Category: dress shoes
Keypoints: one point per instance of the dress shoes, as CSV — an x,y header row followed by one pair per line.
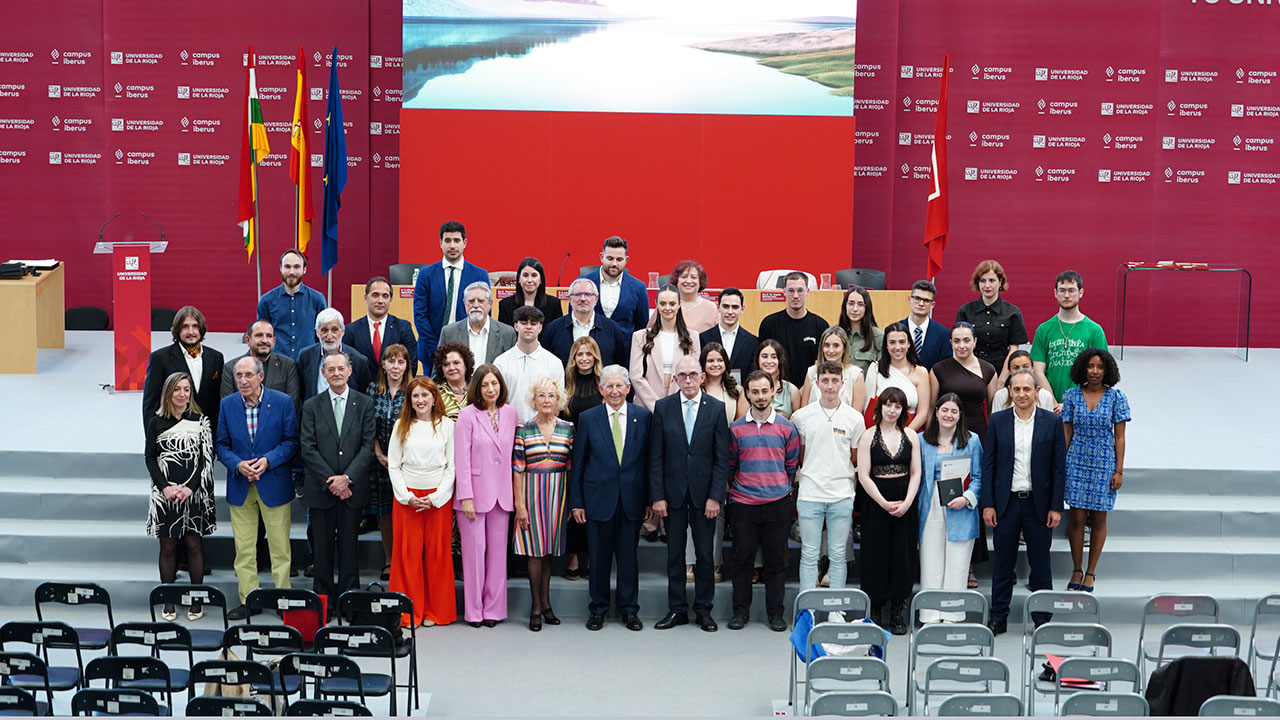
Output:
x,y
737,622
595,622
474,623
490,623
632,621
549,617
998,627
705,622
777,623
241,613
671,620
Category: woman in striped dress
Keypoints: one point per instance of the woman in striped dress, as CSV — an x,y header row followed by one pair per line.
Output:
x,y
540,460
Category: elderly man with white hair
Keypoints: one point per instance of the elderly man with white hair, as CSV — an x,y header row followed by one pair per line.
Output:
x,y
583,320
330,328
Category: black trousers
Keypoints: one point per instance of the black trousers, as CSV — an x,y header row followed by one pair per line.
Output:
x,y
693,517
607,540
889,552
334,537
1019,515
765,527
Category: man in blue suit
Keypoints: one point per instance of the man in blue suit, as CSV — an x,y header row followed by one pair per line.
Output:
x,y
1024,471
381,325
583,319
688,478
932,339
608,485
623,297
257,438
437,298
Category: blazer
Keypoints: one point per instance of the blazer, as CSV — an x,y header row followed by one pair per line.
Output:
x,y
168,360
937,342
276,439
615,348
362,372
550,307
598,483
395,330
744,348
324,453
502,337
280,372
482,458
646,379
428,302
632,312
680,468
961,524
1048,462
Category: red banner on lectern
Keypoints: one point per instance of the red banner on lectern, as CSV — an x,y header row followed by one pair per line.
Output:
x,y
131,282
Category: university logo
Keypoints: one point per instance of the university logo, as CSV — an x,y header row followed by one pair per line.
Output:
x,y
184,158
1237,111
317,160
184,92
1108,108
117,124
904,138
971,173
55,91
1037,141
130,262
1104,176
117,58
375,61
317,93
907,72
1168,143
375,128
55,158
1233,177
1042,73
973,106
1171,76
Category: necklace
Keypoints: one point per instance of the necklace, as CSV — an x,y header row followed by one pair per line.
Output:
x,y
831,414
1065,335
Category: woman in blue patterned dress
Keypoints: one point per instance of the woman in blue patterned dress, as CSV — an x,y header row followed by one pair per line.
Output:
x,y
387,392
1094,415
540,460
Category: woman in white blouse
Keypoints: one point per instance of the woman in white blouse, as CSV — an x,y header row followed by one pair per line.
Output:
x,y
420,465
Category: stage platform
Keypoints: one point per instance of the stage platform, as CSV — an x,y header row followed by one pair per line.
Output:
x,y
1199,512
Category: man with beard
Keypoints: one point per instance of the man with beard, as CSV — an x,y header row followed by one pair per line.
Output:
x,y
281,373
623,297
292,307
1060,339
330,330
437,296
187,354
485,337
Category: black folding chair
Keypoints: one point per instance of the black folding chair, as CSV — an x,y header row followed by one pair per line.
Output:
x,y
18,702
386,609
327,708
354,641
317,669
20,670
43,636
273,641
157,638
214,706
281,600
206,597
130,672
114,701
78,594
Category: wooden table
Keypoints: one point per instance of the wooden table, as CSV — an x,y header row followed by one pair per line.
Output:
x,y
31,316
890,305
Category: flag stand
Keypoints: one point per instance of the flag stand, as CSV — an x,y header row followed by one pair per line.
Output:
x,y
256,229
329,298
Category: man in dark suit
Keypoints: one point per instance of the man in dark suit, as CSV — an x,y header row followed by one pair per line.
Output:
x,y
740,344
623,297
1024,468
280,372
187,354
257,438
688,474
558,337
479,331
931,338
380,325
607,489
331,331
437,297
337,451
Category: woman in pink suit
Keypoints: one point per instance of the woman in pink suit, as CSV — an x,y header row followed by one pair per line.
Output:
x,y
483,441
656,349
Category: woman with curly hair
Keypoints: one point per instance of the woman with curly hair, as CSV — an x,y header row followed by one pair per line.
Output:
x,y
454,364
699,313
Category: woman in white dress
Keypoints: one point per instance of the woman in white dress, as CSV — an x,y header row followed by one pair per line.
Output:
x,y
834,346
899,367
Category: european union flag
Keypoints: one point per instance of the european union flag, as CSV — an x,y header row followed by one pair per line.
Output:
x,y
335,169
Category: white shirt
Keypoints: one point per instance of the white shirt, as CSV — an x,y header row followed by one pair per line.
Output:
x,y
581,330
520,370
1023,430
1002,401
727,339
684,406
380,324
457,287
773,418
478,342
923,327
609,295
667,342
195,365
827,474
423,462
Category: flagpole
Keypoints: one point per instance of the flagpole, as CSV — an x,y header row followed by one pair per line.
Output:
x,y
329,297
296,192
256,228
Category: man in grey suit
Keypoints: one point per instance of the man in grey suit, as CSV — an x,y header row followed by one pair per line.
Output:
x,y
337,451
486,337
281,371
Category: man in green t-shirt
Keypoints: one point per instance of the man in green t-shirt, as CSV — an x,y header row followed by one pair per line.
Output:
x,y
1060,339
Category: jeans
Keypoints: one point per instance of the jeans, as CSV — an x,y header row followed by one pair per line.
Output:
x,y
839,520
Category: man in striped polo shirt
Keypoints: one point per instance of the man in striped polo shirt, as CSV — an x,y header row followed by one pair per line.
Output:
x,y
764,453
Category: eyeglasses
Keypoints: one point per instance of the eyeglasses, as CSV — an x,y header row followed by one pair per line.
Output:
x,y
922,300
582,294
1068,291
687,376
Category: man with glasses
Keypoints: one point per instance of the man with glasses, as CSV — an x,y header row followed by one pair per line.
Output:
x,y
1060,339
796,329
931,338
583,320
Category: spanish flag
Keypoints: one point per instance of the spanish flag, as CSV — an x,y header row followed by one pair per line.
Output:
x,y
253,147
300,160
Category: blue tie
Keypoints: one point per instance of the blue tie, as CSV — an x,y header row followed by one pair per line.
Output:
x,y
688,420
919,341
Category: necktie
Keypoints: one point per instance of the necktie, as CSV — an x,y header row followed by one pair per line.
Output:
x,y
688,420
919,341
338,411
377,341
448,298
617,435
194,351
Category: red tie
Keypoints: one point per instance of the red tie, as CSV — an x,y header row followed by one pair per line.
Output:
x,y
377,342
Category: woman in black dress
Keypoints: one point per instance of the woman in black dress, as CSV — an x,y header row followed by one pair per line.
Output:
x,y
997,323
889,473
179,457
582,385
531,289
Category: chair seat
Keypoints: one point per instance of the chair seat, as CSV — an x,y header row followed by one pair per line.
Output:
x,y
951,687
823,685
1264,647
937,651
290,683
94,638
206,640
178,680
374,684
60,678
1151,648
41,707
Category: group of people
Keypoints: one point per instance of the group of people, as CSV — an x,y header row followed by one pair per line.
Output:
x,y
542,434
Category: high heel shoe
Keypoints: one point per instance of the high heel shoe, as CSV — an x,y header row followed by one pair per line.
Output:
x,y
1076,585
535,621
169,613
1087,588
550,617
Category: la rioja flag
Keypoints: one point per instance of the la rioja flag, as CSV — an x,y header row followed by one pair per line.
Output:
x,y
935,221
